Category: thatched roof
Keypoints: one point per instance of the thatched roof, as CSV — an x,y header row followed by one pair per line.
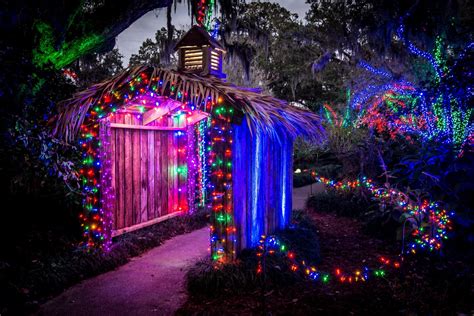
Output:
x,y
261,111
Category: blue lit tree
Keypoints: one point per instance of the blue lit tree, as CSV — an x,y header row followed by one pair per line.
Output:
x,y
438,107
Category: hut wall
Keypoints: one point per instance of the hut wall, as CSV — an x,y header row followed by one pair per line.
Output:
x,y
262,181
145,179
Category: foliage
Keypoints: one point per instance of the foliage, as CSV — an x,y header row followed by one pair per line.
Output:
x,y
158,53
45,53
302,179
34,161
250,35
436,107
342,204
365,29
30,156
148,53
303,151
94,68
347,152
275,51
434,170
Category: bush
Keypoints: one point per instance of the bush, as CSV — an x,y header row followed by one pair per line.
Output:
x,y
210,279
302,179
343,204
383,223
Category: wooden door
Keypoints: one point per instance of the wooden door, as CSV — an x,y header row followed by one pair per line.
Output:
x,y
145,178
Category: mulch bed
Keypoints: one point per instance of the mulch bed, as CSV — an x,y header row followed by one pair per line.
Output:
x,y
423,285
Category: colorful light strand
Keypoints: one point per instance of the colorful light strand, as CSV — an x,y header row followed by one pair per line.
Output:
x,y
424,237
203,150
442,113
376,71
204,13
270,245
430,213
202,174
192,162
220,185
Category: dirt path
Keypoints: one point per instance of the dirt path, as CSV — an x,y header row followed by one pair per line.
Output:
x,y
152,284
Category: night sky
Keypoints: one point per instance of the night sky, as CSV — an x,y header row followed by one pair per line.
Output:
x,y
129,41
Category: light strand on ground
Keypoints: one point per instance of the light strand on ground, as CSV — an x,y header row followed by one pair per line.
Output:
x,y
437,219
270,245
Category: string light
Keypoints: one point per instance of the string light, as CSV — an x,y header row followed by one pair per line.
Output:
x,y
375,71
416,51
270,245
223,240
424,237
441,113
205,147
436,218
215,29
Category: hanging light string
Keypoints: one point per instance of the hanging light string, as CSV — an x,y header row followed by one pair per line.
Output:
x,y
204,13
201,12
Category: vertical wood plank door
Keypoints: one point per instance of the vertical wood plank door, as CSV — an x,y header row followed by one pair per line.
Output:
x,y
144,178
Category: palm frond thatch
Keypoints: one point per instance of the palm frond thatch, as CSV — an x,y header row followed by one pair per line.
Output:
x,y
261,111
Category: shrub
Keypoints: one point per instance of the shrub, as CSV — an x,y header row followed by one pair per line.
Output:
x,y
380,222
302,179
344,204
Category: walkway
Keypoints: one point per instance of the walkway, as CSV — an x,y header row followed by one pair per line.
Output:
x,y
300,195
152,284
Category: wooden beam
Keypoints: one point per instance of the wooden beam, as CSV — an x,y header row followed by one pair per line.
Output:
x,y
150,128
160,111
150,103
121,231
196,117
128,111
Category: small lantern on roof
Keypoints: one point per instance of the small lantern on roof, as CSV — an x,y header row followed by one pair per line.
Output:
x,y
198,52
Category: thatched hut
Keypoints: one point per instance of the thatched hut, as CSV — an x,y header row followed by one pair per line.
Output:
x,y
157,143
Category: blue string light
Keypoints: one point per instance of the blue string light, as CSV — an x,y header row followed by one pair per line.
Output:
x,y
376,71
415,50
